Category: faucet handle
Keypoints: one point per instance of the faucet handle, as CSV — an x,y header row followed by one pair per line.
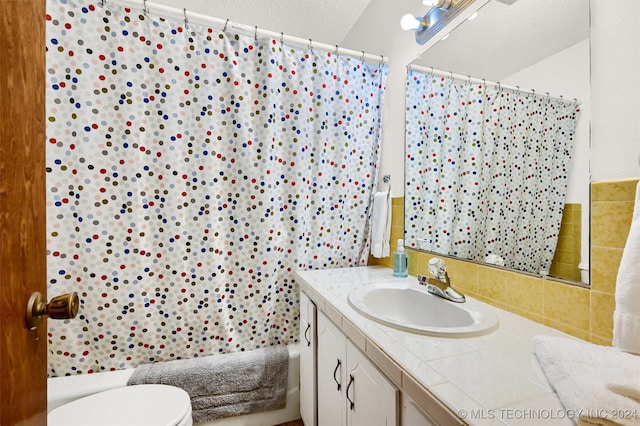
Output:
x,y
437,268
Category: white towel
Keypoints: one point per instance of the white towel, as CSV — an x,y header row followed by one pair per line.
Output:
x,y
626,317
596,384
381,224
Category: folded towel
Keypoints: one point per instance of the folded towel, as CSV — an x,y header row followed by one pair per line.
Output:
x,y
626,317
381,224
225,385
596,384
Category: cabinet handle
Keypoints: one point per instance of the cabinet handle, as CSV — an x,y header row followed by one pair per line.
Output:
x,y
351,380
305,335
334,375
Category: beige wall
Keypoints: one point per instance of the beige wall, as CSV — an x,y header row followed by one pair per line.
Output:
x,y
586,313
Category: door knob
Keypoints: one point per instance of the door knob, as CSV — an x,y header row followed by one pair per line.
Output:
x,y
60,307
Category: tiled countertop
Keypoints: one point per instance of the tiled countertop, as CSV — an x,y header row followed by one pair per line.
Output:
x,y
493,379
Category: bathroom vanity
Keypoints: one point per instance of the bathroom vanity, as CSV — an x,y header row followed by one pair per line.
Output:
x,y
358,371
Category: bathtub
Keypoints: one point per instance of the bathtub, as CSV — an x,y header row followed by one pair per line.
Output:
x,y
62,390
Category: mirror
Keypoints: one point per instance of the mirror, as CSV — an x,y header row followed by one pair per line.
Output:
x,y
541,46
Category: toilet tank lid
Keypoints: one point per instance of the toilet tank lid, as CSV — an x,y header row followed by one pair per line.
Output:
x,y
64,389
157,405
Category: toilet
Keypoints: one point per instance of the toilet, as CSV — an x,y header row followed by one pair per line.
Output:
x,y
140,405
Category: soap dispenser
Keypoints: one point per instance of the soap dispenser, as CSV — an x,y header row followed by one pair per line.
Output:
x,y
400,261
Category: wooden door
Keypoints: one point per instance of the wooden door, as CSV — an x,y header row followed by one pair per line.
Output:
x,y
23,353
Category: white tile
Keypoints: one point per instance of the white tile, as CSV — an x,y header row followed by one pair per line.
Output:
x,y
486,380
491,340
464,407
428,348
521,359
378,333
420,371
522,328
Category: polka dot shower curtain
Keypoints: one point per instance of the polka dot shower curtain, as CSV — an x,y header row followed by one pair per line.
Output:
x,y
190,172
487,170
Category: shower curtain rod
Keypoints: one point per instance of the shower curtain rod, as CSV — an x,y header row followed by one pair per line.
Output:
x,y
188,16
470,79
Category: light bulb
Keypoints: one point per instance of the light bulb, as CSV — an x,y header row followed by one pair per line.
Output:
x,y
410,22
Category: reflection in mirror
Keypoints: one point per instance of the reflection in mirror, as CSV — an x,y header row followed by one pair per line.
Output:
x,y
521,45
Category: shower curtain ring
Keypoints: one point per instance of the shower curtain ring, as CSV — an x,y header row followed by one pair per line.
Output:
x,y
336,50
186,21
255,35
144,7
281,38
225,25
310,47
381,60
362,57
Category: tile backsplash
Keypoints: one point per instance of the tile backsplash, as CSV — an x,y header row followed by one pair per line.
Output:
x,y
566,262
586,313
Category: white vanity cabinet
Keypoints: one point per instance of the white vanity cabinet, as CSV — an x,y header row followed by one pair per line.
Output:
x,y
308,398
351,390
411,415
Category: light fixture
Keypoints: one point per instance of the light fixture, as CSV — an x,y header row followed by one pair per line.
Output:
x,y
440,14
473,16
442,4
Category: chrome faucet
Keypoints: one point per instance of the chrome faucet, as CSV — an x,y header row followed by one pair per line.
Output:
x,y
441,284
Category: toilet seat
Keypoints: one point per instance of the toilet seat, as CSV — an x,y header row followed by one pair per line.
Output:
x,y
140,405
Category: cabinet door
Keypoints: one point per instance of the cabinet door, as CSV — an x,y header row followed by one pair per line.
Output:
x,y
371,399
307,361
331,373
411,415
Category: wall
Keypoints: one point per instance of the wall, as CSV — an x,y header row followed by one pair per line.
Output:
x,y
615,85
586,313
612,204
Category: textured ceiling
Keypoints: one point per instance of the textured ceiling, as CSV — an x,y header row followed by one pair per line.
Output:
x,y
325,21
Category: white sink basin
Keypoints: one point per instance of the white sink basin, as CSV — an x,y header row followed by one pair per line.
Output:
x,y
409,307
